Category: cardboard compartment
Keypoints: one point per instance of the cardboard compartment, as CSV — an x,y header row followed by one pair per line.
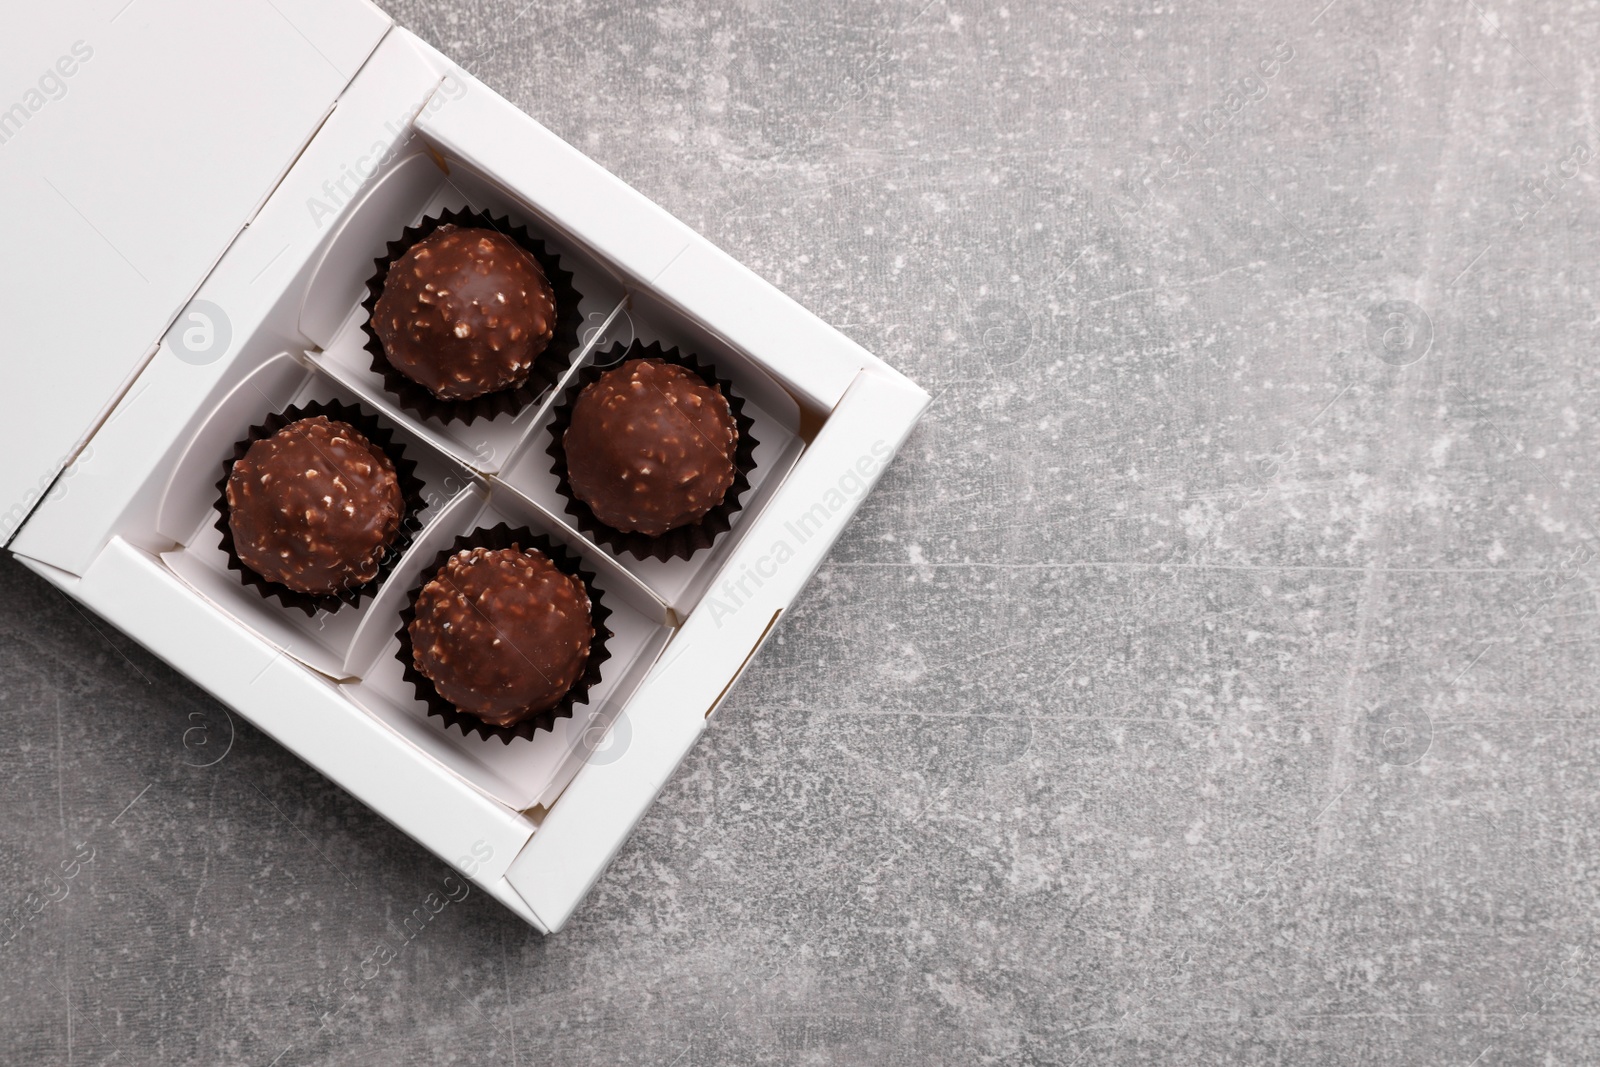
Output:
x,y
413,187
188,511
524,773
530,471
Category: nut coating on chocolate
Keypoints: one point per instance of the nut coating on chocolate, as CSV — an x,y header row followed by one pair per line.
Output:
x,y
651,447
314,506
502,633
465,312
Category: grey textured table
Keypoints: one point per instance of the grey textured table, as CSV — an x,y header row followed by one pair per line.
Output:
x,y
1211,680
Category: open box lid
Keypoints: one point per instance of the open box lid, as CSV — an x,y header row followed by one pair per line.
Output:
x,y
137,139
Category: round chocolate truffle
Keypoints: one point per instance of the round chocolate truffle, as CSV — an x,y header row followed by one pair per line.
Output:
x,y
502,633
465,312
650,447
314,507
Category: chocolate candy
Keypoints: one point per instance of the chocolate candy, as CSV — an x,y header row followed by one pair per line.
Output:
x,y
465,312
502,633
314,506
650,447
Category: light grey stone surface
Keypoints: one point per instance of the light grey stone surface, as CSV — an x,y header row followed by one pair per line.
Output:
x,y
1211,680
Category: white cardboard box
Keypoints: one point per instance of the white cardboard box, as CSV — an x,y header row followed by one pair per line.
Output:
x,y
199,191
